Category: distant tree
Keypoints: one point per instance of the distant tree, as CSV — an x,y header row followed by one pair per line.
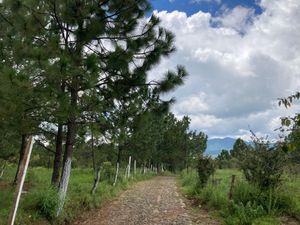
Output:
x,y
239,149
224,155
196,145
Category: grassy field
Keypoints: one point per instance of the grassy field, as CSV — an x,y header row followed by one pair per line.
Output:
x,y
38,203
248,205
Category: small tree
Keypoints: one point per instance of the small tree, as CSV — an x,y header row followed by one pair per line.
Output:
x,y
206,168
264,164
239,149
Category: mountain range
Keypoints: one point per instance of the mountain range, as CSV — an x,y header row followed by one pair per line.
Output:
x,y
215,145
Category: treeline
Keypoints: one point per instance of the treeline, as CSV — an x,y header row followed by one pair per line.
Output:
x,y
74,74
286,150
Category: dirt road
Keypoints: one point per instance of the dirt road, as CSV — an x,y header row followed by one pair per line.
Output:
x,y
152,202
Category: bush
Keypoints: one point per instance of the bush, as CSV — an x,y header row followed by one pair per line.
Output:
x,y
244,214
205,168
263,166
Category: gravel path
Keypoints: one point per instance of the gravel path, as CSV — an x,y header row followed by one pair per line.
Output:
x,y
151,202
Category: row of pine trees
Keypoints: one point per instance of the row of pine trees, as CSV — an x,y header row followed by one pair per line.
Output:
x,y
75,75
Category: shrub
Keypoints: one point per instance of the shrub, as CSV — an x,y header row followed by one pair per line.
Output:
x,y
263,166
205,169
244,214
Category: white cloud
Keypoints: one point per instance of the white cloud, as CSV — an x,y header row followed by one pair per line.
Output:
x,y
193,104
238,68
238,18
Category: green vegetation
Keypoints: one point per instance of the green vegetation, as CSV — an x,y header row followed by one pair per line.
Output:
x,y
261,188
249,205
75,77
39,202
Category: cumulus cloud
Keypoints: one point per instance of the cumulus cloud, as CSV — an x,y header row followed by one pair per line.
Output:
x,y
239,65
238,18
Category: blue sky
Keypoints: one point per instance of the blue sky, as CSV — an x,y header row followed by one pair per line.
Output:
x,y
193,6
241,57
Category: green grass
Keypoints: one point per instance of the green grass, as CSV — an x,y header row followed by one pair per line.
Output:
x,y
248,205
38,204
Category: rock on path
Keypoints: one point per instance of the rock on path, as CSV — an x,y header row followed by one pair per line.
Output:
x,y
151,202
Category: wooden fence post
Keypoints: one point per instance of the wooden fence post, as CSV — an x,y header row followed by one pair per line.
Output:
x,y
231,187
20,180
134,167
129,166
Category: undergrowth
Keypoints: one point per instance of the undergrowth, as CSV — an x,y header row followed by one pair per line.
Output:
x,y
248,205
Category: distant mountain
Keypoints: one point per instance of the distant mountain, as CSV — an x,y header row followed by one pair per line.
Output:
x,y
215,145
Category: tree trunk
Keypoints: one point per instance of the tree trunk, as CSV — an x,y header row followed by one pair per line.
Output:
x,y
21,156
117,166
93,152
67,161
117,174
97,179
57,156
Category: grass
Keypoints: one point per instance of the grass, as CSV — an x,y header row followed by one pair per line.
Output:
x,y
38,203
249,206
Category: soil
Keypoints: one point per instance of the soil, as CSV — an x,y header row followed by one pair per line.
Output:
x,y
152,202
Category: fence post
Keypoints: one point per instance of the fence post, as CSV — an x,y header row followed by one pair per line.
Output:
x,y
231,187
20,180
129,166
134,167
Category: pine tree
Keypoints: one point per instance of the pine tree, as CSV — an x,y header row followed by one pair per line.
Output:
x,y
81,55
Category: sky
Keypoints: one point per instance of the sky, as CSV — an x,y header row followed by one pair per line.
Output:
x,y
241,57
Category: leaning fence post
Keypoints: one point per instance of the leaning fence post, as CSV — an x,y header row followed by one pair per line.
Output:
x,y
20,180
231,187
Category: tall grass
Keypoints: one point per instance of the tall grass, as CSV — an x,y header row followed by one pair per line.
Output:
x,y
248,205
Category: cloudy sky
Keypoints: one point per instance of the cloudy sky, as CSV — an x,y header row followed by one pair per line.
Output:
x,y
241,57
